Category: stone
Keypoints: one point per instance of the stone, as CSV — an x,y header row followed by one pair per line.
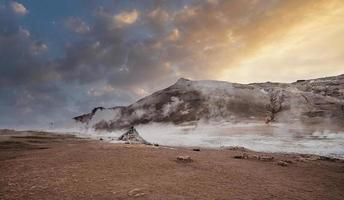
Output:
x,y
282,163
137,192
301,159
306,158
330,159
196,149
255,157
238,157
266,158
243,156
288,161
234,148
185,159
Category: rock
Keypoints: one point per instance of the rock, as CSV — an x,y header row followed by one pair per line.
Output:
x,y
288,161
185,159
243,156
238,157
282,163
266,158
155,144
306,158
137,192
196,149
328,159
133,137
255,157
101,139
236,148
301,159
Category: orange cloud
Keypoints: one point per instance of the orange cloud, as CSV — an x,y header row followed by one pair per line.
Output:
x,y
219,37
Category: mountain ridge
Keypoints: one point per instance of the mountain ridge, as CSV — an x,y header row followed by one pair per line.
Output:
x,y
313,101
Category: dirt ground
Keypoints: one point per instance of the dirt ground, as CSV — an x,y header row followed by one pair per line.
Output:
x,y
36,165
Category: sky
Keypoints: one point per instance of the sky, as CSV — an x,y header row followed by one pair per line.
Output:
x,y
60,59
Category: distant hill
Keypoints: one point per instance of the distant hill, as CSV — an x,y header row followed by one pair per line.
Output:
x,y
312,102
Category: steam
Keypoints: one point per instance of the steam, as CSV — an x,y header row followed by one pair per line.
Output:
x,y
282,138
171,107
291,136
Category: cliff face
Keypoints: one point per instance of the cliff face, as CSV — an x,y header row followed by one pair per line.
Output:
x,y
315,101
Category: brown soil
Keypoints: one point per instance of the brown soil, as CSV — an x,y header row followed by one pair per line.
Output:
x,y
49,166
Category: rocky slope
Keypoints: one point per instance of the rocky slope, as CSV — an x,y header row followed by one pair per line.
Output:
x,y
315,102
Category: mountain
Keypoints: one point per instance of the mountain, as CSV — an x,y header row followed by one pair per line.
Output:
x,y
310,102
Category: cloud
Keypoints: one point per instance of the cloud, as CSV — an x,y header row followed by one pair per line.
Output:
x,y
307,51
174,35
77,25
202,40
29,92
119,55
126,18
18,8
159,14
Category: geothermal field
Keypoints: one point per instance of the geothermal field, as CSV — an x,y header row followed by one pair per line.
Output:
x,y
193,140
172,100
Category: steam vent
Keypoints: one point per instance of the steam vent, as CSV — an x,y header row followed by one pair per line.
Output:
x,y
133,137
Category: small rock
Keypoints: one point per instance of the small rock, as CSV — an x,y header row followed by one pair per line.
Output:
x,y
196,149
301,159
184,159
265,158
288,161
238,157
306,158
255,157
243,156
282,163
137,192
100,139
328,159
156,144
236,148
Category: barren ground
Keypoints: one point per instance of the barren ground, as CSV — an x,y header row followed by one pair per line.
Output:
x,y
35,165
